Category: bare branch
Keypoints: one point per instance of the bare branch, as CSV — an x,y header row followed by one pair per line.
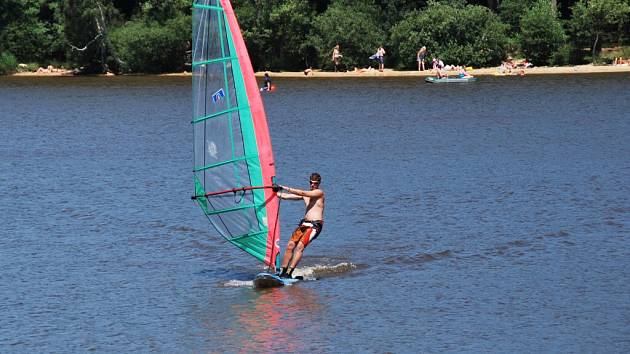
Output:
x,y
87,45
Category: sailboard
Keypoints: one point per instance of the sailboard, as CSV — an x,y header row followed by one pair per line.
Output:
x,y
233,158
270,280
445,80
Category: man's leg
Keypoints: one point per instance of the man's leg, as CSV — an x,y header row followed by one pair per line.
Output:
x,y
297,256
299,249
288,254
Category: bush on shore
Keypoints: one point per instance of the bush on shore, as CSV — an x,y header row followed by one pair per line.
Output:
x,y
541,34
352,25
457,34
8,63
151,47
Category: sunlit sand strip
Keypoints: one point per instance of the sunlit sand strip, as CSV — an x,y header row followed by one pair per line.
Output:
x,y
543,70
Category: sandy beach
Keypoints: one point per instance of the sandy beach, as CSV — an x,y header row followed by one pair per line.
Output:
x,y
543,70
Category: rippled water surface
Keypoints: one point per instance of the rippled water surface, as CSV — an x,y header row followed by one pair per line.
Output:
x,y
484,217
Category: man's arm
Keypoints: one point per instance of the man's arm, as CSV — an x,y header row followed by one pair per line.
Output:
x,y
289,196
302,193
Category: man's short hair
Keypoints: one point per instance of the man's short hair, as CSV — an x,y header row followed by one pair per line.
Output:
x,y
316,177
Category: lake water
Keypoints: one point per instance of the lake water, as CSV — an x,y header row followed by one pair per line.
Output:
x,y
484,217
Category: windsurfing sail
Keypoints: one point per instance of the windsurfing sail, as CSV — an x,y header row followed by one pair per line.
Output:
x,y
233,160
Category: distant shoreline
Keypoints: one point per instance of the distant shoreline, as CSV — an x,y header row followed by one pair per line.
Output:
x,y
544,70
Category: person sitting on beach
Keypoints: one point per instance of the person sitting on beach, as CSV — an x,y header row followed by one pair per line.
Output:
x,y
441,73
362,70
463,74
505,68
509,62
437,63
522,64
438,66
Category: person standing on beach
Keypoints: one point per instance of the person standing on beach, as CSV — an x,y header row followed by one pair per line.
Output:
x,y
422,53
380,57
310,226
336,57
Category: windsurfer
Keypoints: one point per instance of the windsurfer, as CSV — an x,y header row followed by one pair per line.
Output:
x,y
310,226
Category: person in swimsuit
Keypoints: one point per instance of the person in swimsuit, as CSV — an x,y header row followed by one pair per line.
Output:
x,y
310,226
380,57
422,53
336,57
267,86
463,74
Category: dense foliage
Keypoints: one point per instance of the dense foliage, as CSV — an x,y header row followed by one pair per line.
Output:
x,y
596,22
468,35
541,33
154,35
32,30
277,32
8,63
152,47
354,26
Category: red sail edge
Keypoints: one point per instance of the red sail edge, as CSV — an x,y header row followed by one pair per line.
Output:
x,y
263,140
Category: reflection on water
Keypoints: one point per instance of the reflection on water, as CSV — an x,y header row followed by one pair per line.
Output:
x,y
273,319
478,218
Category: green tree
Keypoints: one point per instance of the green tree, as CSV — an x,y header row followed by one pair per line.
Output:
x,y
253,17
31,30
355,26
596,21
151,46
8,63
395,10
511,11
86,27
458,34
276,32
164,10
541,33
291,22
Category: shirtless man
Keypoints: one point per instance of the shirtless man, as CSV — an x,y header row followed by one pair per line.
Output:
x,y
309,227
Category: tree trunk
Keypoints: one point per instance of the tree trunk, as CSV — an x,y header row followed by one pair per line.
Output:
x,y
595,47
104,47
106,44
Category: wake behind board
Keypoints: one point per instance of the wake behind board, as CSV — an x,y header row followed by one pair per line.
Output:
x,y
269,280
